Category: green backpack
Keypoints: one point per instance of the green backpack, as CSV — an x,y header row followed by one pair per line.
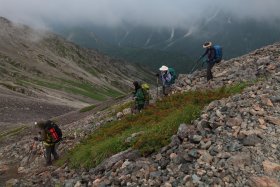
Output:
x,y
145,87
173,75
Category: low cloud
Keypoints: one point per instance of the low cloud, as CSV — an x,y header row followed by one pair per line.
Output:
x,y
163,13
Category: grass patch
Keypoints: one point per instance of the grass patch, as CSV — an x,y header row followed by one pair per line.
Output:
x,y
120,108
88,108
12,132
158,123
9,86
77,88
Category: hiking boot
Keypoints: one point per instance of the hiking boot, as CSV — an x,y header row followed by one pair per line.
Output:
x,y
209,84
47,164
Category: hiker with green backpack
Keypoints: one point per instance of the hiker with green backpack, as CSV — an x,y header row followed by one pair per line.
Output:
x,y
145,88
50,135
138,96
214,55
168,77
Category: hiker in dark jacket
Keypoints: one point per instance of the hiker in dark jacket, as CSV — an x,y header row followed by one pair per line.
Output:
x,y
138,96
167,79
211,60
50,146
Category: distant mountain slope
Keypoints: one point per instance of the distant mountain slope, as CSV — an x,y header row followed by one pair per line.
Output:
x,y
44,66
237,37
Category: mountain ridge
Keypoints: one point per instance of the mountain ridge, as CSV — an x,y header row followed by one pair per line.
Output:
x,y
42,66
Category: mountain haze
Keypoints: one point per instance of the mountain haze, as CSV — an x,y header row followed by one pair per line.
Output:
x,y
175,46
42,67
225,133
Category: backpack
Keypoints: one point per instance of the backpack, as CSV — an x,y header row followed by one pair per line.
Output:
x,y
54,131
218,53
173,75
145,88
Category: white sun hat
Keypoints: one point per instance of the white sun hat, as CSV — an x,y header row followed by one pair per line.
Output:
x,y
207,44
163,68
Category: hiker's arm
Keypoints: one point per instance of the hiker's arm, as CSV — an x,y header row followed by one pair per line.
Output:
x,y
43,136
162,79
168,77
205,53
39,137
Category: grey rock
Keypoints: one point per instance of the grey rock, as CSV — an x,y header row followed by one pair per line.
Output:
x,y
275,99
205,145
195,139
233,146
155,174
182,131
108,163
195,179
12,182
193,153
251,140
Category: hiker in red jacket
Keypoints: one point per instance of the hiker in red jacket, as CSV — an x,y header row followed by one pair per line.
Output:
x,y
50,136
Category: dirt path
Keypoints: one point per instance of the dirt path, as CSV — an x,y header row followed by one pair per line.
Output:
x,y
15,109
24,136
77,115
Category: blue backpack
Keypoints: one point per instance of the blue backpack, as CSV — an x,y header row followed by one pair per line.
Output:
x,y
218,53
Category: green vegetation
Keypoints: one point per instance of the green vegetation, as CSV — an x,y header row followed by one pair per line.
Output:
x,y
120,108
78,88
9,86
158,123
12,132
88,108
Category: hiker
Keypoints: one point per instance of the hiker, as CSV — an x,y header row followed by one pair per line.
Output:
x,y
214,55
168,77
50,135
138,96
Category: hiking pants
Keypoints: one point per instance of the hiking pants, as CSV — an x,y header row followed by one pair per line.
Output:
x,y
51,150
166,89
139,107
210,65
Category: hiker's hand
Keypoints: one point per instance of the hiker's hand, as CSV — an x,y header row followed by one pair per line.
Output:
x,y
36,138
157,75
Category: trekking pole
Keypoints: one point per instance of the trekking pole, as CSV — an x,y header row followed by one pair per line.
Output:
x,y
132,106
157,87
43,150
31,148
195,66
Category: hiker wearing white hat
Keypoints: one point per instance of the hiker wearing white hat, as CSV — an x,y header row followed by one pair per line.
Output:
x,y
168,77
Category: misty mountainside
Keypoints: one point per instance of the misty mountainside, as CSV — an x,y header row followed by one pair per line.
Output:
x,y
178,47
222,133
42,73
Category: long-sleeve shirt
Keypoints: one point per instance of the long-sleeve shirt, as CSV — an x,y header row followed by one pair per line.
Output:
x,y
210,52
166,78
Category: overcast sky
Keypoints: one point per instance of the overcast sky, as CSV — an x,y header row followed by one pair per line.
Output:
x,y
146,12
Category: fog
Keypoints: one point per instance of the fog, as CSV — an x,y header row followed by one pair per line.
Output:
x,y
158,13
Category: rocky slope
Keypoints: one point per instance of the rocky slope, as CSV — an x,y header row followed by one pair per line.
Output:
x,y
235,142
39,67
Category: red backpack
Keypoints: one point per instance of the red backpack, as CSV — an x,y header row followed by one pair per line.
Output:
x,y
54,130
